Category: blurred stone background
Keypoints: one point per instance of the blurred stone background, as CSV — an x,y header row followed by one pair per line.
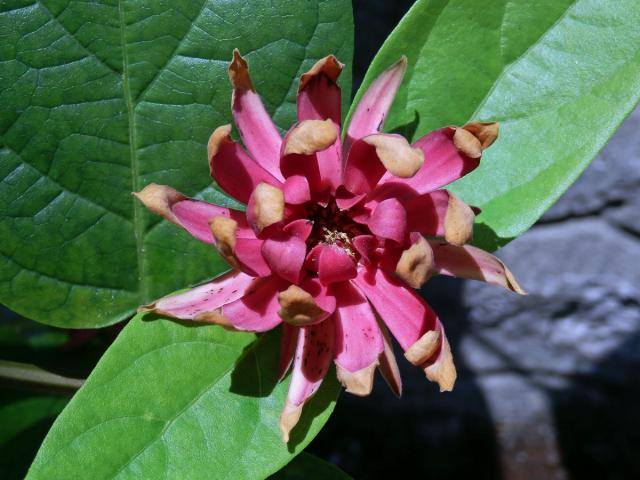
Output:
x,y
549,384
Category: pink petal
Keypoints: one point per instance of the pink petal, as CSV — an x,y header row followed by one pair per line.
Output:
x,y
204,298
319,94
313,356
287,348
192,215
345,199
300,228
257,310
426,213
323,297
235,171
335,265
359,341
362,169
472,263
372,108
365,246
313,258
285,254
249,256
259,134
296,190
403,311
443,162
389,220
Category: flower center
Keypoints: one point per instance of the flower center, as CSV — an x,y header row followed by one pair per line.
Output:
x,y
332,226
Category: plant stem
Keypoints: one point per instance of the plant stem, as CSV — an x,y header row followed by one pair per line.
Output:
x,y
32,377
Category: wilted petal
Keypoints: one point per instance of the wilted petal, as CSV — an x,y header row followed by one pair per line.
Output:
x,y
440,368
372,108
257,130
192,215
313,356
475,137
444,163
473,263
265,207
203,302
335,265
416,263
285,253
235,171
359,341
306,305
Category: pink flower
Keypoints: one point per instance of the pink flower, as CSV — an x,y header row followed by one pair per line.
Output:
x,y
333,240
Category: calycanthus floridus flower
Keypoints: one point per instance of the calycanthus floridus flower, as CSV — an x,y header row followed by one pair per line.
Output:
x,y
333,243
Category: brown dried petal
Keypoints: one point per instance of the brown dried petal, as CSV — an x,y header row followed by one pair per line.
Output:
x,y
458,221
310,136
268,205
395,153
224,232
416,264
298,308
423,348
329,66
159,199
239,72
357,383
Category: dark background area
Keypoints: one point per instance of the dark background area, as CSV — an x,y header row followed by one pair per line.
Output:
x,y
549,384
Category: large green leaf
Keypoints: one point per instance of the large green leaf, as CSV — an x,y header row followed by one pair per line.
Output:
x,y
309,467
560,76
98,99
175,401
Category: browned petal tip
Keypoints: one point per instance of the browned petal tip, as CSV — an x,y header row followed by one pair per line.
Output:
x,y
475,137
298,307
358,383
423,348
224,232
395,153
329,66
416,264
288,419
239,72
159,199
458,221
151,307
268,205
310,136
512,283
219,135
215,317
443,371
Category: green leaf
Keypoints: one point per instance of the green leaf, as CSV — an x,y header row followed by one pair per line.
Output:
x,y
174,401
98,99
25,419
559,75
309,467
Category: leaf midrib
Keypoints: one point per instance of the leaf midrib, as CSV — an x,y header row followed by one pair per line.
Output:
x,y
138,227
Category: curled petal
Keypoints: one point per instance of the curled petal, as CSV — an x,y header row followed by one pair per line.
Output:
x,y
313,356
389,220
365,245
203,302
285,253
444,163
257,130
359,342
440,369
335,265
473,263
362,169
192,215
300,228
416,263
248,255
310,136
266,206
235,171
475,137
372,108
300,307
224,232
424,348
395,153
318,93
458,221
